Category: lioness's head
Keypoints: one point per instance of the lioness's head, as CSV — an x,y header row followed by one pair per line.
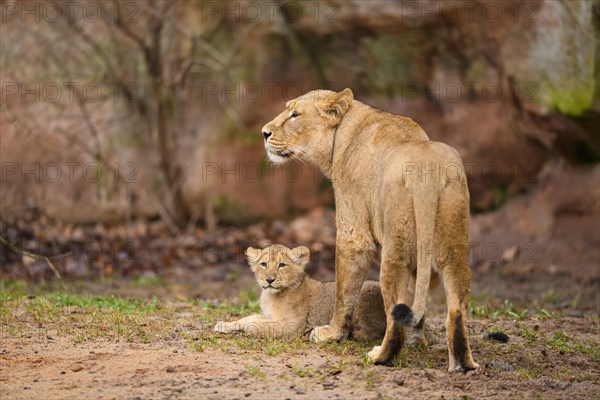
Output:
x,y
278,268
306,127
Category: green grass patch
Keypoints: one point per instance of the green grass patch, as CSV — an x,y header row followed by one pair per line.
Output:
x,y
560,341
256,372
421,356
147,281
80,318
303,372
276,348
591,350
247,303
509,310
529,374
12,290
123,305
506,310
528,334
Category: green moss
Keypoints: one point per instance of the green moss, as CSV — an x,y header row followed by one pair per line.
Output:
x,y
500,195
390,59
569,98
477,71
229,210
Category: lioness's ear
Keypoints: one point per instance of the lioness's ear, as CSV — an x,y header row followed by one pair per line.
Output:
x,y
335,105
252,254
300,255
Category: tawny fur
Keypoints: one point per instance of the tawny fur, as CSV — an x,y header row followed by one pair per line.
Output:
x,y
396,192
294,303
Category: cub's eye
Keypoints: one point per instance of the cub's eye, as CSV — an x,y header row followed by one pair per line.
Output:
x,y
281,265
294,115
263,264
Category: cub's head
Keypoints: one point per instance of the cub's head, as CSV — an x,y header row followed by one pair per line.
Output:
x,y
305,128
278,268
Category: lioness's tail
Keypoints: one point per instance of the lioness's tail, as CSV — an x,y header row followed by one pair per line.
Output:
x,y
402,318
425,205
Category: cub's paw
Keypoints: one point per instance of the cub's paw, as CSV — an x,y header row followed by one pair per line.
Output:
x,y
373,355
225,327
326,333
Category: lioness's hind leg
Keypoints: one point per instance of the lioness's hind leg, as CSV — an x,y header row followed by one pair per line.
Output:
x,y
459,350
452,252
394,280
394,276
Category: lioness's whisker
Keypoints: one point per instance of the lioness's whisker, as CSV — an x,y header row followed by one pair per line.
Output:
x,y
298,149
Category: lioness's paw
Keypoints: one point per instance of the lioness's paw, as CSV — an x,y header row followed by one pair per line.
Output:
x,y
459,368
420,336
373,355
225,327
325,333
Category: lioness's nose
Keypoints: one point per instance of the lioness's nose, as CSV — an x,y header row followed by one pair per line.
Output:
x,y
267,134
270,280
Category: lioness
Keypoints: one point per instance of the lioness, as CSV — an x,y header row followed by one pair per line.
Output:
x,y
293,303
395,190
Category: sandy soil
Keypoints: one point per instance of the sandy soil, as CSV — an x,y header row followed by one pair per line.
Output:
x,y
55,368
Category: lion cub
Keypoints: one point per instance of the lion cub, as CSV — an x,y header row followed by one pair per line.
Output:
x,y
292,303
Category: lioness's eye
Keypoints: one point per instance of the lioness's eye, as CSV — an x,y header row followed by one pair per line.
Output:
x,y
295,115
281,265
264,264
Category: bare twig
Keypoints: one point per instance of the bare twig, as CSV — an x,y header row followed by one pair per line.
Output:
x,y
124,28
20,129
112,70
219,58
35,256
164,214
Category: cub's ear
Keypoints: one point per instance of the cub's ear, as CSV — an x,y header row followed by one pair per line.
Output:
x,y
252,254
335,105
300,255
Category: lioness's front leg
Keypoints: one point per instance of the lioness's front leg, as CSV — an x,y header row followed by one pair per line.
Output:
x,y
351,265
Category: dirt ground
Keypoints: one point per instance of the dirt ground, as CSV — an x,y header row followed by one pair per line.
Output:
x,y
553,351
57,368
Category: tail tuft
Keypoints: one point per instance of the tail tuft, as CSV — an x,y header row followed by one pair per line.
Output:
x,y
402,314
392,343
498,336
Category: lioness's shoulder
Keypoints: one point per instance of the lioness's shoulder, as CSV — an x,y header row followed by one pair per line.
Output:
x,y
387,124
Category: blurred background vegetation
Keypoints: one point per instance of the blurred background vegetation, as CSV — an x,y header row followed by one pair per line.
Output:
x,y
128,121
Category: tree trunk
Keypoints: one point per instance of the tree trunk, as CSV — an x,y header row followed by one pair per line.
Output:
x,y
169,165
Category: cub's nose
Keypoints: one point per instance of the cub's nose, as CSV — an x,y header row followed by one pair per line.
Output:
x,y
267,134
270,280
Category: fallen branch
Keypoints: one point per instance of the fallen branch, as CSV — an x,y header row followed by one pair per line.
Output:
x,y
38,257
